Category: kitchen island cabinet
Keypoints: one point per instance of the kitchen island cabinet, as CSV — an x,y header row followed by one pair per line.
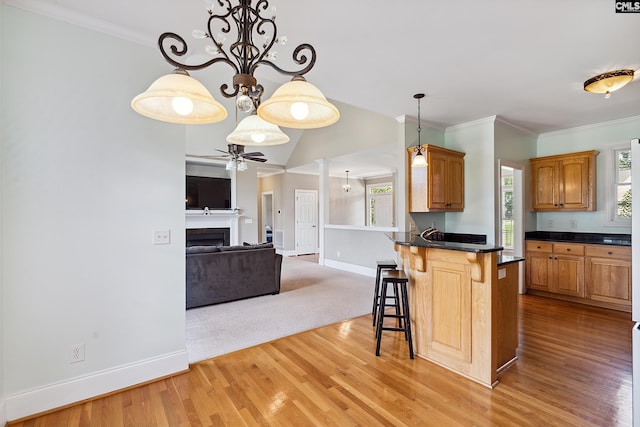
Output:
x,y
463,305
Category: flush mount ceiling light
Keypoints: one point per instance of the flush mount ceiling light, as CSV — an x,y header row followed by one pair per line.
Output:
x,y
179,98
608,82
419,160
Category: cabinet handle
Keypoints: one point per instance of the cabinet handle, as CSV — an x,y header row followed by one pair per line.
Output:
x,y
610,253
538,247
550,257
568,249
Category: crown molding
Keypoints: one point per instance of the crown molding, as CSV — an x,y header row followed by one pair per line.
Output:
x,y
591,126
484,121
409,119
57,12
515,127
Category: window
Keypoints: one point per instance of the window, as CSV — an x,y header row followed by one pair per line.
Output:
x,y
380,204
619,202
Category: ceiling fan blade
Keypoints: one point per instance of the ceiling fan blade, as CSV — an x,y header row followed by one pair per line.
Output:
x,y
255,159
212,157
225,152
254,153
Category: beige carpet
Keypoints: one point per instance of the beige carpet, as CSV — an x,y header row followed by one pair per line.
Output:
x,y
311,296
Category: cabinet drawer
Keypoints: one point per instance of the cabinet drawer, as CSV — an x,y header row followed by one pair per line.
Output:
x,y
604,251
568,248
536,246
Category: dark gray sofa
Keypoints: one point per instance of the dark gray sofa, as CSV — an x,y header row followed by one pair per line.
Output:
x,y
229,273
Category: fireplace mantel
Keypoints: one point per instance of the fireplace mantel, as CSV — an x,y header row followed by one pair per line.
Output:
x,y
214,219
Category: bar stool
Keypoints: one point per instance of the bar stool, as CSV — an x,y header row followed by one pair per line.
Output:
x,y
386,264
399,280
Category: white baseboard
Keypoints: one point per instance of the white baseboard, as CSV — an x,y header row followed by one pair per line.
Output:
x,y
353,268
24,404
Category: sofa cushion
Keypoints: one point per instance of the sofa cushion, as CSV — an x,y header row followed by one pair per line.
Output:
x,y
246,247
202,249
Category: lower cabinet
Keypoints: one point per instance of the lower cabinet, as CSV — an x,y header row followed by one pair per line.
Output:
x,y
556,268
608,270
593,274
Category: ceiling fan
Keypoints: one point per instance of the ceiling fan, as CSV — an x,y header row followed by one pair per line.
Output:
x,y
236,156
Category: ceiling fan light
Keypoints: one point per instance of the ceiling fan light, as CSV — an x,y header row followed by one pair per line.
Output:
x,y
179,98
290,101
253,128
608,82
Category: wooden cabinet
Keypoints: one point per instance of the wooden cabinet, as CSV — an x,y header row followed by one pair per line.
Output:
x,y
439,187
555,267
564,182
592,274
608,271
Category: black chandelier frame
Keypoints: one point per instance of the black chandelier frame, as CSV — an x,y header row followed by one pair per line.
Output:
x,y
244,55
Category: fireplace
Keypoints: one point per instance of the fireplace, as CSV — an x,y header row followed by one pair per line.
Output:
x,y
208,236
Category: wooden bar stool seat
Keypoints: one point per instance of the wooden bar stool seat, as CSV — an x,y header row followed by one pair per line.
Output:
x,y
386,264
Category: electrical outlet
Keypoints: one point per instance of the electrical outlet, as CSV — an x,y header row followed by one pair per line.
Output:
x,y
162,237
77,353
550,223
574,223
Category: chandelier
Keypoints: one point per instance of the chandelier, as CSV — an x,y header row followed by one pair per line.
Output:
x,y
346,187
180,98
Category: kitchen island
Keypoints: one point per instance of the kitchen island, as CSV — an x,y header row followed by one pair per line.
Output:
x,y
463,305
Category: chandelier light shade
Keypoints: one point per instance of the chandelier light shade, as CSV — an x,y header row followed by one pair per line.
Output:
x,y
253,130
608,82
179,98
419,161
299,104
242,36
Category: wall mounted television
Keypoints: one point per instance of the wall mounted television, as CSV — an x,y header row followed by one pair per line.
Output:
x,y
206,192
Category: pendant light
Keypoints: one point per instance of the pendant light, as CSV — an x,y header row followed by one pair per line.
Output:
x,y
419,161
346,187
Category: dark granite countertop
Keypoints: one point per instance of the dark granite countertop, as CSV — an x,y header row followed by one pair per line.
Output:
x,y
408,239
508,259
588,238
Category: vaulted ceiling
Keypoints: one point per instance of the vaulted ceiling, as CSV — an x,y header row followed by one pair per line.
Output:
x,y
523,61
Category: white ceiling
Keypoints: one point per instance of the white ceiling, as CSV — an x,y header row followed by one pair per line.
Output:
x,y
523,61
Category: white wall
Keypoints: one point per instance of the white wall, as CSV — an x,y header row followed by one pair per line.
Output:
x,y
476,139
347,208
594,137
85,182
515,146
3,322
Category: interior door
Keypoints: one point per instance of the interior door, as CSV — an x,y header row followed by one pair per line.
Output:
x,y
306,212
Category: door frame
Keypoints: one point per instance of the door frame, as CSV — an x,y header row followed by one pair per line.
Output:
x,y
518,212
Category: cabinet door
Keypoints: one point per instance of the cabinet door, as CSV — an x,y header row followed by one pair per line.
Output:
x,y
574,179
544,185
609,280
455,183
539,267
569,275
437,164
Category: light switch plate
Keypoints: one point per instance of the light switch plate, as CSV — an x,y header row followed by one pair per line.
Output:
x,y
162,237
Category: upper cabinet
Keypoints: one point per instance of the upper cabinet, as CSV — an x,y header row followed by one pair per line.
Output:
x,y
439,187
564,182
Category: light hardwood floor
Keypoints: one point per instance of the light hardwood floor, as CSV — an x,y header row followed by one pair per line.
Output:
x,y
574,368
